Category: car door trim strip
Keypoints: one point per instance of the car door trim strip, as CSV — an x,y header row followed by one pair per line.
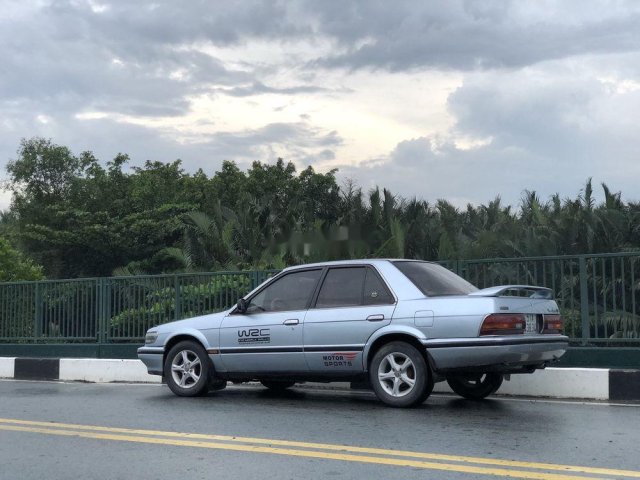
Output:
x,y
262,350
324,348
333,348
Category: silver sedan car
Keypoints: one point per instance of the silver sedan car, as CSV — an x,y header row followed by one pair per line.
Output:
x,y
399,324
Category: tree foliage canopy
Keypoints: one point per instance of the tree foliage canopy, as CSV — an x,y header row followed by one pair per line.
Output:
x,y
78,218
14,266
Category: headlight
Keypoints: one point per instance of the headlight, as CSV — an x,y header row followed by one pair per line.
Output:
x,y
151,337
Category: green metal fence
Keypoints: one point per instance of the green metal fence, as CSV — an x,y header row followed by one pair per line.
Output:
x,y
597,295
113,310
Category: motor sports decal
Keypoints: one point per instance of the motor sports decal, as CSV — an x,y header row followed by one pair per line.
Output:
x,y
339,359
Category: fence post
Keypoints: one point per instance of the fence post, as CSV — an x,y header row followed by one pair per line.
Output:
x,y
255,280
106,318
37,319
178,306
100,316
584,300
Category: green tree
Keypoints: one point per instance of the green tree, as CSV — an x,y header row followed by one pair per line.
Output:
x,y
14,266
78,217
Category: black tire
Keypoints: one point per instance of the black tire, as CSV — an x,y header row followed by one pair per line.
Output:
x,y
392,384
277,385
475,386
197,371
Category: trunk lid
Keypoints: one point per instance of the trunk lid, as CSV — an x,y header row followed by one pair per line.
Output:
x,y
535,303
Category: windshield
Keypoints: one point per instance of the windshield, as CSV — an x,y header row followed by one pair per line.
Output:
x,y
434,280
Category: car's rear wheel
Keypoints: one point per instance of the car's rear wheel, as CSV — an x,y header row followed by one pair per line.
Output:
x,y
277,385
475,386
400,375
188,369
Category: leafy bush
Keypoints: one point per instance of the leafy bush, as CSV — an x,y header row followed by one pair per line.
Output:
x,y
208,295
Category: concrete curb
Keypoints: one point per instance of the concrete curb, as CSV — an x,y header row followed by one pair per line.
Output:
x,y
578,383
586,383
7,367
105,370
76,369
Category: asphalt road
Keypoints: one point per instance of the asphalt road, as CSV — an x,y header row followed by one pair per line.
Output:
x,y
115,431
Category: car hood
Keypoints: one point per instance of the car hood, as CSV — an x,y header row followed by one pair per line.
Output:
x,y
202,322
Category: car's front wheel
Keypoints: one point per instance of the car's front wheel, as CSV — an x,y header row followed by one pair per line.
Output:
x,y
187,369
475,386
400,375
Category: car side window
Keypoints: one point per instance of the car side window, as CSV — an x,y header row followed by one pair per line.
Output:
x,y
342,287
289,292
375,291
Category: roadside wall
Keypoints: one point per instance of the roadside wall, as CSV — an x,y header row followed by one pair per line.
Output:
x,y
576,383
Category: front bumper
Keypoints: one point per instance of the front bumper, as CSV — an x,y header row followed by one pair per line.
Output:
x,y
153,358
495,352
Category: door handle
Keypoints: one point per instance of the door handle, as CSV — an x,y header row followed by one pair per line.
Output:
x,y
291,321
375,318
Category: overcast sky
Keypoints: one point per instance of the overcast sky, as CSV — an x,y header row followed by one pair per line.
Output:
x,y
461,100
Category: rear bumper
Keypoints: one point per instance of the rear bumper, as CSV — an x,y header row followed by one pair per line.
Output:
x,y
153,358
495,353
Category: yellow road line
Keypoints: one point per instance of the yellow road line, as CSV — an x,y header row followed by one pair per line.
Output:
x,y
298,453
332,447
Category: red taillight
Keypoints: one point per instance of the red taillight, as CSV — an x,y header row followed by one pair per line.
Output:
x,y
503,324
552,324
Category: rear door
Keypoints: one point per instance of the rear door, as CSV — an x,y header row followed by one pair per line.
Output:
x,y
352,303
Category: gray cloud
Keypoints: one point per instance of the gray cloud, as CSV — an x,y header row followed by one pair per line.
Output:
x,y
131,50
259,88
546,131
469,35
416,169
533,83
132,58
299,142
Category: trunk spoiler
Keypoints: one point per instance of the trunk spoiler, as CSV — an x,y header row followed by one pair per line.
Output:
x,y
527,291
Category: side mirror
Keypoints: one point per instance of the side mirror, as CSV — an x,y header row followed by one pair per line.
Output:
x,y
242,306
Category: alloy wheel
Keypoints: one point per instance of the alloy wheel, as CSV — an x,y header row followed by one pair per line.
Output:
x,y
186,368
397,374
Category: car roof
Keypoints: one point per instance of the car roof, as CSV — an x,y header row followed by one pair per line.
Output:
x,y
361,261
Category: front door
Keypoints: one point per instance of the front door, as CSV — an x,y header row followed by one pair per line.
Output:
x,y
268,337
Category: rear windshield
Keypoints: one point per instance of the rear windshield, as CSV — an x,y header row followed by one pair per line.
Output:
x,y
434,280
